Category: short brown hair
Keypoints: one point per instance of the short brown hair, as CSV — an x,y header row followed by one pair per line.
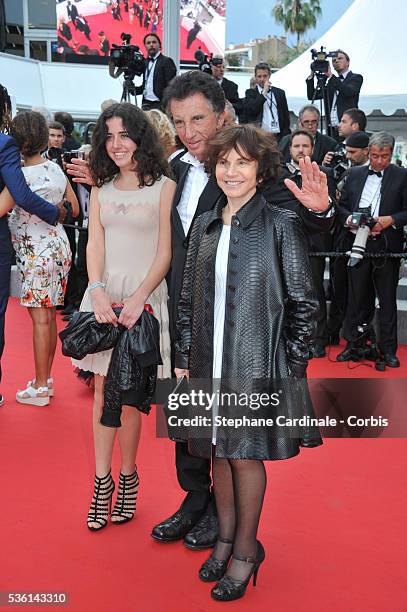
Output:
x,y
249,141
30,131
302,133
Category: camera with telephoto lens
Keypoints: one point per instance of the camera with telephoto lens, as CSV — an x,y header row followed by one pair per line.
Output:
x,y
320,64
364,223
55,154
205,62
126,58
339,163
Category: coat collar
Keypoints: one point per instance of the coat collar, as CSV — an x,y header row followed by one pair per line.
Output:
x,y
246,215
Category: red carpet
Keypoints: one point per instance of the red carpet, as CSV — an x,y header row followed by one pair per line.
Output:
x,y
333,525
113,30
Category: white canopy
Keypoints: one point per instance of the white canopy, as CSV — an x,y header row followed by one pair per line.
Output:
x,y
372,32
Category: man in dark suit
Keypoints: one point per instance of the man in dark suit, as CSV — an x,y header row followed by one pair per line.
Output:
x,y
72,12
229,87
308,119
197,107
159,71
379,190
265,105
342,90
104,44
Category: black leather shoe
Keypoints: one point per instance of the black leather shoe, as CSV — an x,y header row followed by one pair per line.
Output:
x,y
349,354
391,360
213,568
175,527
204,534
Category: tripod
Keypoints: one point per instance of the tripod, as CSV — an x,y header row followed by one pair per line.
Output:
x,y
321,94
129,89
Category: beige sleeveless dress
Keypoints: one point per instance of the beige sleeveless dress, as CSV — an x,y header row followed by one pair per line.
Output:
x,y
131,223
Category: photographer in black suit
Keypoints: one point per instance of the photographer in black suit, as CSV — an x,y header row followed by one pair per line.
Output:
x,y
380,191
342,90
197,107
266,105
308,119
229,87
159,71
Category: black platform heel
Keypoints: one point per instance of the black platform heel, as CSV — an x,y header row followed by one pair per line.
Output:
x,y
228,589
101,502
125,506
213,568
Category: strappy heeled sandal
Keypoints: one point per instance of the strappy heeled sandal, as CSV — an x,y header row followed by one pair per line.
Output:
x,y
125,506
32,396
101,502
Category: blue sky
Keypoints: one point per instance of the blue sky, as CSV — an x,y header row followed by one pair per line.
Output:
x,y
248,19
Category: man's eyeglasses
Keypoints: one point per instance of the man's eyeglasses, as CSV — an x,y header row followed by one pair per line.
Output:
x,y
310,123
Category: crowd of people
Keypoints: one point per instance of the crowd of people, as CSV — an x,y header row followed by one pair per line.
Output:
x,y
203,215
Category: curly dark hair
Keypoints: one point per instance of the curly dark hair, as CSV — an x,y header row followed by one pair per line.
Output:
x,y
30,130
250,142
149,157
194,82
5,109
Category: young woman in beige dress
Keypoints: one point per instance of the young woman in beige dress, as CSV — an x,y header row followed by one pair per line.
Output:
x,y
128,256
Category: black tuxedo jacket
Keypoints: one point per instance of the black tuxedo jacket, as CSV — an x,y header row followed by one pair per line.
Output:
x,y
393,201
348,91
231,93
253,106
275,192
322,145
164,71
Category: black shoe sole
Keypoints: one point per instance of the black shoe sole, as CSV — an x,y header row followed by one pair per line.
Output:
x,y
165,540
199,546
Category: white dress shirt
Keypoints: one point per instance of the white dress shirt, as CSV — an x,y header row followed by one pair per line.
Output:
x,y
270,122
334,110
148,89
371,194
194,185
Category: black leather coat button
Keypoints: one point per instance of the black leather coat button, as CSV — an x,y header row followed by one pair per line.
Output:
x,y
235,240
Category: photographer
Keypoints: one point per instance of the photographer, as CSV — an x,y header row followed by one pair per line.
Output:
x,y
265,105
301,146
357,153
342,91
159,71
217,64
308,119
380,192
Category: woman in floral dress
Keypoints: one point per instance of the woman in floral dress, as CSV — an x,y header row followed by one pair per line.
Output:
x,y
42,251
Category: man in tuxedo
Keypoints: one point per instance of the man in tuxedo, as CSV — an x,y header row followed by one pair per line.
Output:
x,y
104,44
72,12
265,105
229,87
379,190
308,119
342,90
158,73
197,107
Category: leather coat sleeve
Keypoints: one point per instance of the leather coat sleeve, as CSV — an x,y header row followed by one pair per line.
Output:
x,y
13,177
184,330
301,305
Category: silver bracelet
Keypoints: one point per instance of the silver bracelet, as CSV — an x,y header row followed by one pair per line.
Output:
x,y
96,285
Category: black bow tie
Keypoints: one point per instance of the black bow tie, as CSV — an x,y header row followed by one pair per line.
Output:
x,y
151,59
379,174
341,77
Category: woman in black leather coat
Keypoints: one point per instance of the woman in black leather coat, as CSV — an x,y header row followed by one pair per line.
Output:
x,y
246,316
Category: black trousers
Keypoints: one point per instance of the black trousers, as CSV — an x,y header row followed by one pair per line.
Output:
x,y
318,269
194,476
380,276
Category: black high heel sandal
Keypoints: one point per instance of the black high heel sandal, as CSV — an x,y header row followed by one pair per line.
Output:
x,y
101,502
228,589
213,568
125,505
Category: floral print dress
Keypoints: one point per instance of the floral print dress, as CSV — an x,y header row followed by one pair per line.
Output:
x,y
43,254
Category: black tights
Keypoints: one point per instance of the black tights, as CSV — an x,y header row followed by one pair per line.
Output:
x,y
239,486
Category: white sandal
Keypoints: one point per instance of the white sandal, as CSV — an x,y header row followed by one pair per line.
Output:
x,y
50,385
33,396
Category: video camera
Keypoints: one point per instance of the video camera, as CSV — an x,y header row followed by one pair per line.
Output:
x,y
364,223
320,64
339,163
127,59
206,62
